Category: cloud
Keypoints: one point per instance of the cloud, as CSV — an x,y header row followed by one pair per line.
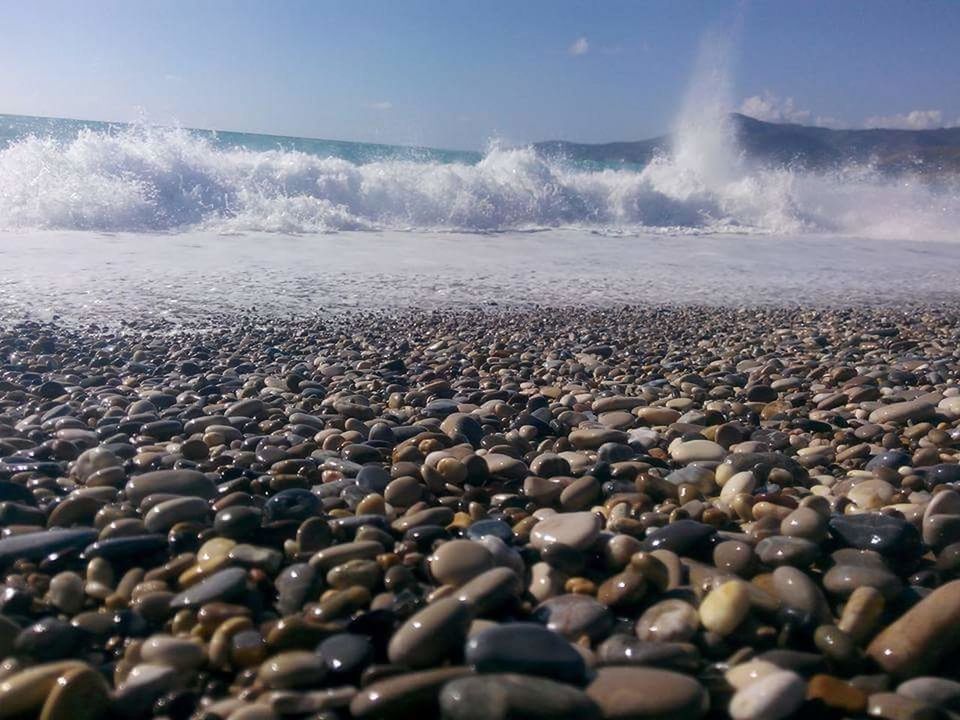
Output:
x,y
771,108
381,105
913,120
171,77
580,46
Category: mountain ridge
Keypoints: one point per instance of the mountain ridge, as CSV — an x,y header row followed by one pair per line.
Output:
x,y
804,147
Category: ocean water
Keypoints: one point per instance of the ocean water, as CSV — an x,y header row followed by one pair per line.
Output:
x,y
87,176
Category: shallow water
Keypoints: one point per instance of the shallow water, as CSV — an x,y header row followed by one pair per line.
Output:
x,y
95,276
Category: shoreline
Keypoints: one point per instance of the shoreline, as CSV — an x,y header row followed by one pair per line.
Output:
x,y
89,276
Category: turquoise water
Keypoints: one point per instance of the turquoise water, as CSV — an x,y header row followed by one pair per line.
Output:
x,y
17,127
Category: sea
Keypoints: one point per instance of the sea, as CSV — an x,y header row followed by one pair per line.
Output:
x,y
107,219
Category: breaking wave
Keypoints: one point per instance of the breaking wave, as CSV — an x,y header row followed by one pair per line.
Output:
x,y
152,179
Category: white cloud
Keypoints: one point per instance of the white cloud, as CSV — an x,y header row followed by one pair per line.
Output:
x,y
381,105
580,46
913,120
771,108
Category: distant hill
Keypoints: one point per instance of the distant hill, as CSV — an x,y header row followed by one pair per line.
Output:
x,y
814,148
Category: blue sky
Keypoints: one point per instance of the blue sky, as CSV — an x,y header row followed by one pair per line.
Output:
x,y
456,73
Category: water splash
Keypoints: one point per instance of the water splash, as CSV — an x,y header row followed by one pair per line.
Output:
x,y
144,179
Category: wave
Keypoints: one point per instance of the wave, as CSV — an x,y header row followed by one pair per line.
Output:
x,y
145,179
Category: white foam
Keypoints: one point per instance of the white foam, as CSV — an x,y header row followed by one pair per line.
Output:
x,y
143,179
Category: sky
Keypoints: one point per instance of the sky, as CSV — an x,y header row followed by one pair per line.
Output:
x,y
460,73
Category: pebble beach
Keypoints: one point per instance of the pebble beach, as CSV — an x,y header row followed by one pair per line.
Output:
x,y
595,512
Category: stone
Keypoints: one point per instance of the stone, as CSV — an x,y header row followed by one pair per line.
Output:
x,y
628,693
772,697
915,642
941,692
346,655
836,694
890,536
902,412
178,653
504,696
37,545
25,692
671,620
797,591
294,669
697,451
528,649
458,561
407,695
490,590
431,635
78,694
725,607
575,615
225,585
577,530
682,537
169,482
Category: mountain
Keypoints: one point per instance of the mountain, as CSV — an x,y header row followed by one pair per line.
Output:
x,y
930,152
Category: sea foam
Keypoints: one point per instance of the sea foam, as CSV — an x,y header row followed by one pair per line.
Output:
x,y
151,179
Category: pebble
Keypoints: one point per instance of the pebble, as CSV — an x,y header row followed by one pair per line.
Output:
x,y
431,635
916,641
624,693
725,607
528,649
503,696
771,697
577,530
459,561
253,519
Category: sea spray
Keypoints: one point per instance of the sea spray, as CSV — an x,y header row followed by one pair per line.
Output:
x,y
149,179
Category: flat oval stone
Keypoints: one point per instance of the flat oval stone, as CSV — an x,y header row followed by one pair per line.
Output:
x,y
577,530
126,547
671,620
938,691
407,695
593,438
781,550
457,561
178,653
842,580
575,615
431,635
887,535
491,589
497,528
293,504
294,669
697,450
771,697
225,585
797,591
78,694
902,411
631,693
682,537
505,696
528,649
346,655
620,649
169,482
725,607
915,643
168,513
26,691
35,546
